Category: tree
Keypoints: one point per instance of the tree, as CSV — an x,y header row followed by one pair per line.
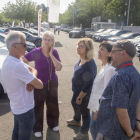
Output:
x,y
23,10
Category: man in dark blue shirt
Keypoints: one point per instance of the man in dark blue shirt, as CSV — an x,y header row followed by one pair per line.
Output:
x,y
118,109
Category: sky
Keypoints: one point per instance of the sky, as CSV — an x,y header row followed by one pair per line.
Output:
x,y
63,3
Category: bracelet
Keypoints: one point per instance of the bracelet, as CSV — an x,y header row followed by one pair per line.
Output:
x,y
138,120
132,135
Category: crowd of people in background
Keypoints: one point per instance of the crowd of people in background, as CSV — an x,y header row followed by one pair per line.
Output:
x,y
113,95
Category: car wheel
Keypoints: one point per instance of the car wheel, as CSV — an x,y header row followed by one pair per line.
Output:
x,y
70,35
38,43
1,90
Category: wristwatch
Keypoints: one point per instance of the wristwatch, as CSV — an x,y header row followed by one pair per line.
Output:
x,y
79,99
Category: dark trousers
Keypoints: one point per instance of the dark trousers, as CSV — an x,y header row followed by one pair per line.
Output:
x,y
52,112
82,110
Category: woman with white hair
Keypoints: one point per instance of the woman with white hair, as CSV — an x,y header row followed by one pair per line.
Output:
x,y
84,73
47,61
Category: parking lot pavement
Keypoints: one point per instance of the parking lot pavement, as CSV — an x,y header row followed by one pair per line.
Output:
x,y
67,50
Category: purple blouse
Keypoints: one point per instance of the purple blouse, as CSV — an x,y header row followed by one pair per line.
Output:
x,y
42,65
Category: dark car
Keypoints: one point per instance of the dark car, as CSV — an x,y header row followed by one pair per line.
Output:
x,y
32,31
96,36
124,36
105,37
98,31
34,39
42,29
30,45
77,32
70,29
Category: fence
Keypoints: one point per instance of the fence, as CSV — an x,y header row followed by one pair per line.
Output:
x,y
130,28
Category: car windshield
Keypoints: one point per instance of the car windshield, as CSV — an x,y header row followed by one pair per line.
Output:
x,y
113,32
126,35
33,30
100,30
26,33
137,37
76,29
107,31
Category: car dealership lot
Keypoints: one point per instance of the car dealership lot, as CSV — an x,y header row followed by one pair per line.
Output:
x,y
67,50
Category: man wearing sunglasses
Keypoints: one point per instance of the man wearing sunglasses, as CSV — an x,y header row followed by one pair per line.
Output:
x,y
20,79
119,111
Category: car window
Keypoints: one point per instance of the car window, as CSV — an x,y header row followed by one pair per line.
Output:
x,y
126,35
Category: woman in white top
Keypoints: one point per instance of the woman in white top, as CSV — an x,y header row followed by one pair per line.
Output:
x,y
100,83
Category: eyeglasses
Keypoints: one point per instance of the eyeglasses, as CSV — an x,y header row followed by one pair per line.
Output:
x,y
113,51
79,46
45,40
25,45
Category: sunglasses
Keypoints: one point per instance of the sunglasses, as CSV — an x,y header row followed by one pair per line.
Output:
x,y
25,45
113,51
47,40
79,46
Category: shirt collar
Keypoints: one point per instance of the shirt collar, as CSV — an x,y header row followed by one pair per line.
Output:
x,y
14,58
122,65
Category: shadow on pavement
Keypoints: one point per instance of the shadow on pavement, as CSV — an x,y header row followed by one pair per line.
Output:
x,y
58,44
51,135
4,104
76,130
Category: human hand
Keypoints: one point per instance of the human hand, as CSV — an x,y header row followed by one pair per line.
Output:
x,y
137,126
51,51
95,116
137,136
29,87
78,101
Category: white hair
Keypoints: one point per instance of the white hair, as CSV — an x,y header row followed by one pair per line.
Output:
x,y
13,37
49,34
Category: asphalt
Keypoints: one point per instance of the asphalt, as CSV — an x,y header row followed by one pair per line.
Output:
x,y
67,50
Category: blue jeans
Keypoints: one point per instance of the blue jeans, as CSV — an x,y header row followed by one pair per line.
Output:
x,y
93,129
82,110
23,125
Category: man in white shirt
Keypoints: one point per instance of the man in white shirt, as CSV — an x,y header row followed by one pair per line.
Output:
x,y
20,79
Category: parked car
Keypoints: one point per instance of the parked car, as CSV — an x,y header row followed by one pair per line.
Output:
x,y
34,39
77,32
124,36
65,29
135,40
42,29
30,45
96,36
30,30
98,31
105,37
3,54
88,30
70,29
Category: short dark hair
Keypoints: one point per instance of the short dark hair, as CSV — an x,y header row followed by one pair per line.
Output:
x,y
108,46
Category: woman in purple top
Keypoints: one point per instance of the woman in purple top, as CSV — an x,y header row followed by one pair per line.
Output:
x,y
47,61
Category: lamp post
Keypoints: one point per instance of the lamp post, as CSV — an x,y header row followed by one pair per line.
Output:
x,y
128,13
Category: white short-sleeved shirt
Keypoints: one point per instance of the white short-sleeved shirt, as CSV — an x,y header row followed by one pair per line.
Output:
x,y
99,84
16,76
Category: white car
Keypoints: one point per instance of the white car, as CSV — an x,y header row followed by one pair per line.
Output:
x,y
3,54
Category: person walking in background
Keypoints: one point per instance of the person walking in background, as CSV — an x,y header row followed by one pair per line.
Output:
x,y
84,73
118,110
47,61
54,30
20,80
58,29
99,84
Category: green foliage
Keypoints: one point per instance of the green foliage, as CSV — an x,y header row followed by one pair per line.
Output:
x,y
24,10
116,10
